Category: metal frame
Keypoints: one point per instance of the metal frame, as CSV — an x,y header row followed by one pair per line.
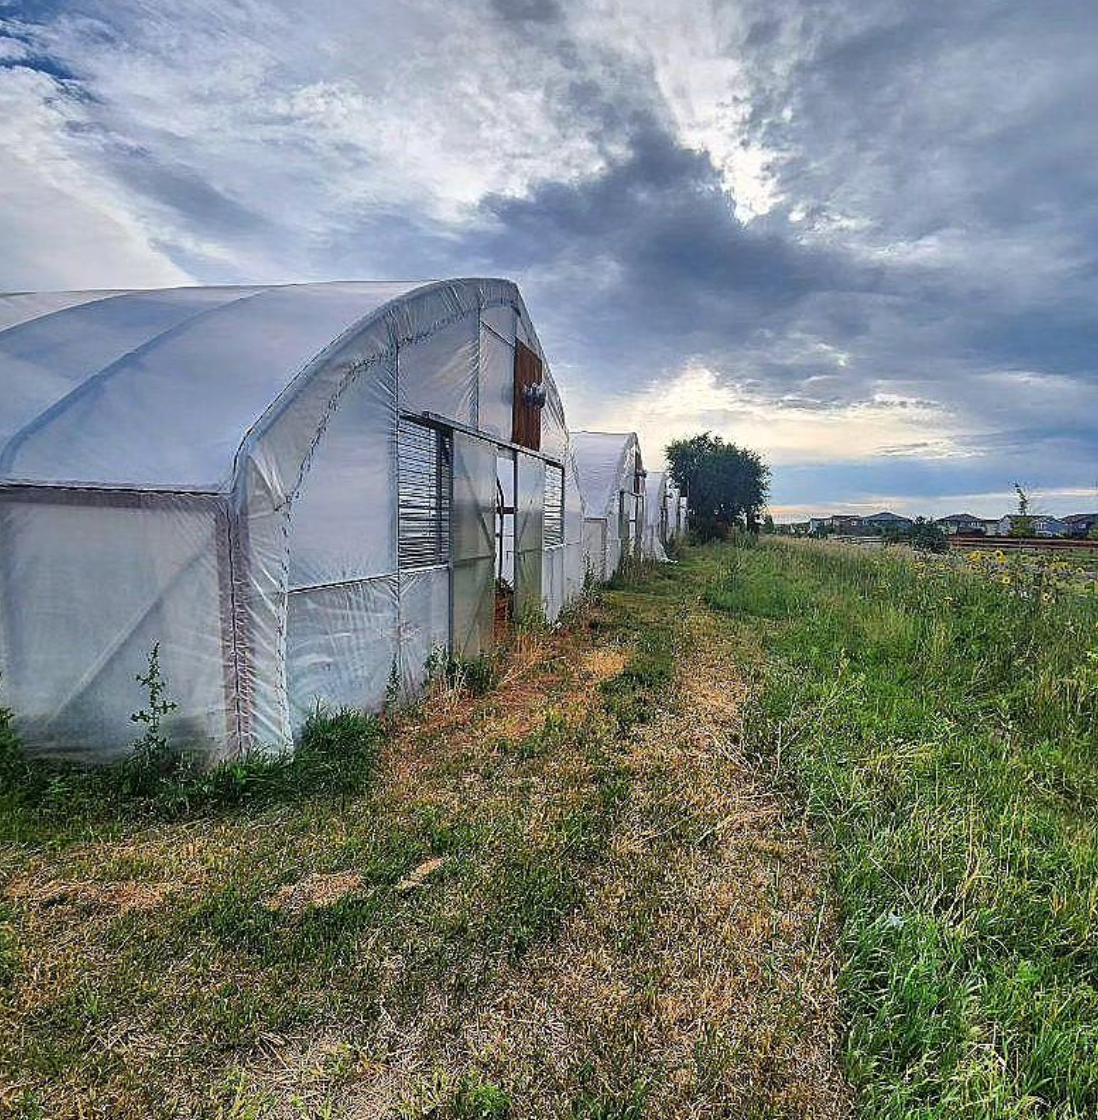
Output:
x,y
432,419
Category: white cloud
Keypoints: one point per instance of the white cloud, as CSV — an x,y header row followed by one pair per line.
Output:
x,y
63,224
304,119
785,431
698,62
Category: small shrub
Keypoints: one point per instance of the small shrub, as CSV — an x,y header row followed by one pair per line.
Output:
x,y
152,762
474,675
928,536
477,1100
392,688
532,620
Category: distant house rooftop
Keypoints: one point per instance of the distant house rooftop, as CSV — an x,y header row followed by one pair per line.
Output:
x,y
888,515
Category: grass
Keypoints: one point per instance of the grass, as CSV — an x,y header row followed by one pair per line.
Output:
x,y
564,895
782,830
48,800
941,730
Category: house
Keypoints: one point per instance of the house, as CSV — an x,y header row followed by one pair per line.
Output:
x,y
965,523
843,524
1081,524
1043,526
294,492
887,521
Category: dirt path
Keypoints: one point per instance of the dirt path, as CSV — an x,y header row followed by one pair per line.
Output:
x,y
697,979
700,972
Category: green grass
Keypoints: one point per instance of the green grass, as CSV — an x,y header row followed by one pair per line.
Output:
x,y
942,731
624,914
39,799
211,968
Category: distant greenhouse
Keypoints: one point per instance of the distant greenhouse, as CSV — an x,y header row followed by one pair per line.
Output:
x,y
611,478
298,492
655,515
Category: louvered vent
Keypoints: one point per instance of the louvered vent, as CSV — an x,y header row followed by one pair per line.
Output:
x,y
423,495
553,529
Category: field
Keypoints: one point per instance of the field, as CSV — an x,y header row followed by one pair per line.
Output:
x,y
940,728
781,830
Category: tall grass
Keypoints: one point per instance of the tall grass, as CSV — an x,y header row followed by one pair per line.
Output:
x,y
943,733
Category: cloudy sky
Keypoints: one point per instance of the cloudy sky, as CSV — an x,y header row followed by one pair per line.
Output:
x,y
858,235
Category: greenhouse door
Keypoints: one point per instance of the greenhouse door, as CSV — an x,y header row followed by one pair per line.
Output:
x,y
505,535
529,533
473,544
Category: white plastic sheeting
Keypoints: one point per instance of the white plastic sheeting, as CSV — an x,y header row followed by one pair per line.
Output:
x,y
655,515
574,565
215,470
473,535
87,590
529,526
607,465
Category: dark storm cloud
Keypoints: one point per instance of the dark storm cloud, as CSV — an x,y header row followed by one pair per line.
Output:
x,y
671,268
186,192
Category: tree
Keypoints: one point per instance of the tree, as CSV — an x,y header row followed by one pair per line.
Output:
x,y
768,524
1021,525
928,536
726,485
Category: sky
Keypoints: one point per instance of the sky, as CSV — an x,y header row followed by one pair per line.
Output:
x,y
859,236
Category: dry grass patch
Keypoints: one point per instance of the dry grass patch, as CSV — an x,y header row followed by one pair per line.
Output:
x,y
315,890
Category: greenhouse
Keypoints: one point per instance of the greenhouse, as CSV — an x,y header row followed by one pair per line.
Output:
x,y
656,535
297,492
675,513
611,479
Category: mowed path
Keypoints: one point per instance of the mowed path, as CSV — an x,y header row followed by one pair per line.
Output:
x,y
550,905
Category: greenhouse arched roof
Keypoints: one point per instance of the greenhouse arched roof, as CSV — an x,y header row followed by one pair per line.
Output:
x,y
160,388
603,460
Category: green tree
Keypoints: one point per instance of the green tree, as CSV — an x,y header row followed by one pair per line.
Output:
x,y
726,485
1021,524
928,536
